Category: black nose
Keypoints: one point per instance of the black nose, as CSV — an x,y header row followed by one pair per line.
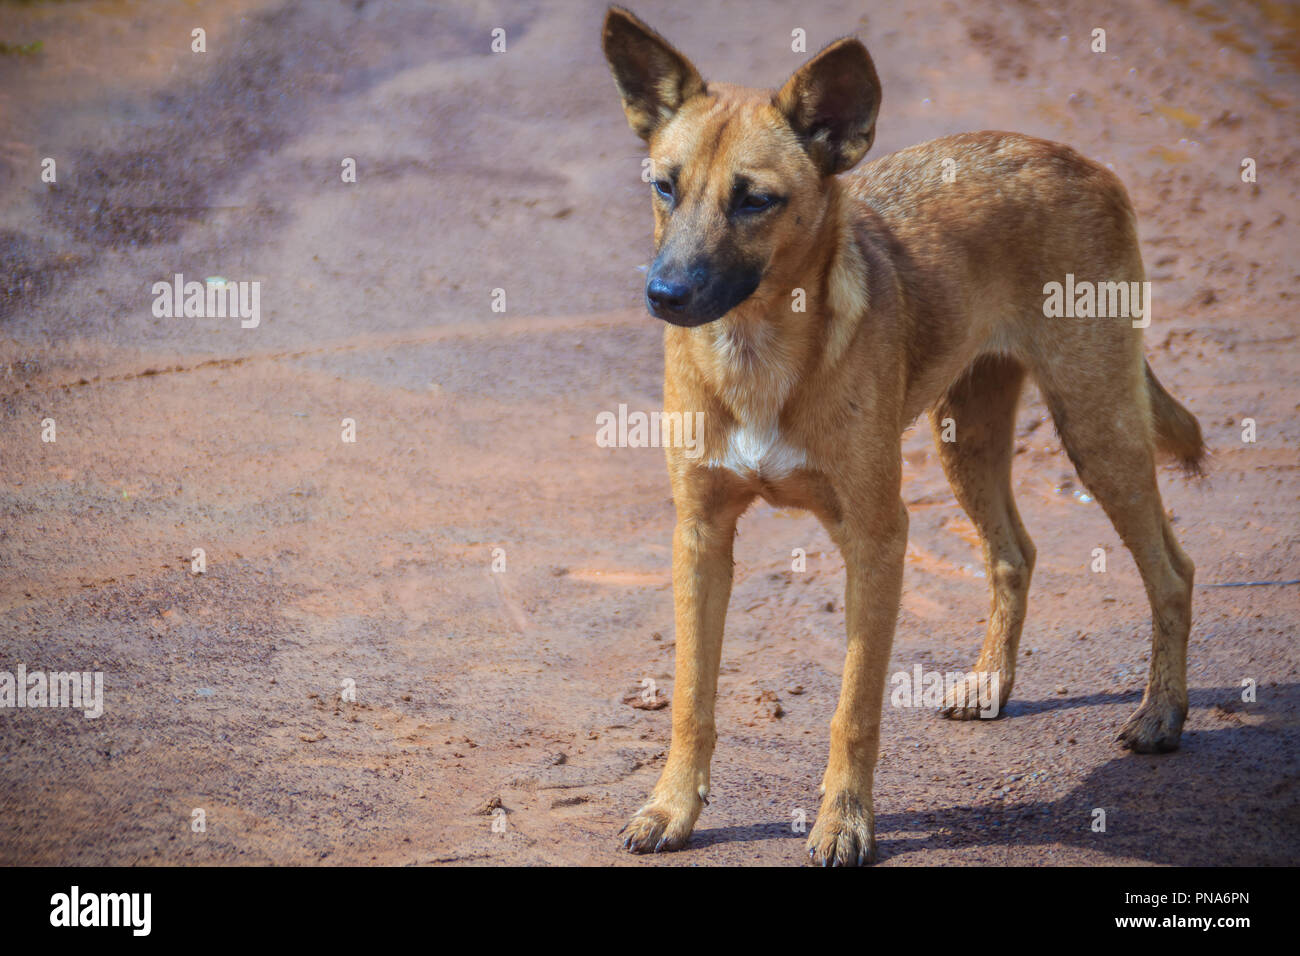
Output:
x,y
667,295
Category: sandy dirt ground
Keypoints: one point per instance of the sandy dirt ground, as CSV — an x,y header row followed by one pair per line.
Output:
x,y
371,561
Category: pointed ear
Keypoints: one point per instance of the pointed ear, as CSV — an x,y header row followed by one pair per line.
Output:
x,y
653,78
831,103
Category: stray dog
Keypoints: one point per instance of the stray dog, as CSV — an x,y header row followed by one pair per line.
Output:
x,y
813,316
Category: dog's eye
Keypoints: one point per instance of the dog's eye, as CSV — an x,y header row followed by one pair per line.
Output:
x,y
756,202
664,188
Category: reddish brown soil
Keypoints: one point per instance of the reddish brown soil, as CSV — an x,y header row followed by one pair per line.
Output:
x,y
476,430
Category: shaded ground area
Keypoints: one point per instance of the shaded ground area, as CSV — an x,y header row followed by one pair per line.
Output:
x,y
371,561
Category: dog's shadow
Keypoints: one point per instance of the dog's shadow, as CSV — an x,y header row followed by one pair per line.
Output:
x,y
1230,795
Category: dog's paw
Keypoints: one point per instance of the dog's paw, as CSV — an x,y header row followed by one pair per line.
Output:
x,y
657,827
954,710
844,834
966,701
1155,727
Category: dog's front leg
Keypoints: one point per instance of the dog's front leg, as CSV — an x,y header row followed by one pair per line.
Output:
x,y
702,570
873,545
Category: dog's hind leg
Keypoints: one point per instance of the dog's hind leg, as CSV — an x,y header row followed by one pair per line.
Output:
x,y
981,407
1104,414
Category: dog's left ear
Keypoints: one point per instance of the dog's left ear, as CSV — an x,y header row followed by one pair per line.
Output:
x,y
653,78
831,103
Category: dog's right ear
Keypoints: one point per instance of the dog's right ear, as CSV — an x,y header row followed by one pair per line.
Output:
x,y
653,78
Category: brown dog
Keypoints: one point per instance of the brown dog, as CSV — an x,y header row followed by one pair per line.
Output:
x,y
812,317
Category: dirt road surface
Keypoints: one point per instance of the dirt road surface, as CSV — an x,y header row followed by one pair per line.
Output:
x,y
371,562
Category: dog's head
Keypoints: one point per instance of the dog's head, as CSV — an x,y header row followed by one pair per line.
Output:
x,y
738,177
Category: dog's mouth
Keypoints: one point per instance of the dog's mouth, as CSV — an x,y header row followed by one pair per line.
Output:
x,y
687,306
685,320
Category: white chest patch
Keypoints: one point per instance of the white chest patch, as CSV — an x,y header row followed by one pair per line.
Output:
x,y
759,453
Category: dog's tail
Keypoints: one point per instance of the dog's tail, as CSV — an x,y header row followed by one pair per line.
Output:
x,y
1177,432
